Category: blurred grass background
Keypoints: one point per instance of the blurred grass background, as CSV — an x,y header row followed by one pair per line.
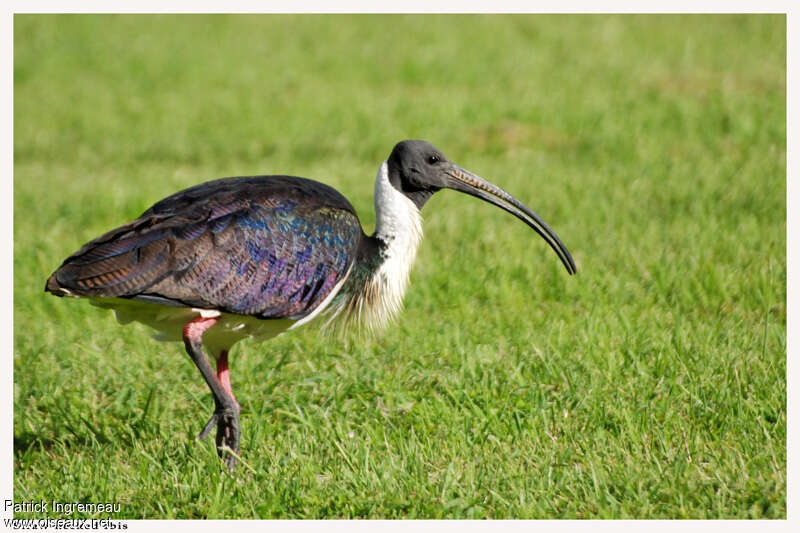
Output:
x,y
650,385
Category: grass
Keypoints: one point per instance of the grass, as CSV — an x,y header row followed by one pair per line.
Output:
x,y
650,385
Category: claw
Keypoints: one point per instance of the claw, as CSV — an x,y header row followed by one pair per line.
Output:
x,y
208,427
228,434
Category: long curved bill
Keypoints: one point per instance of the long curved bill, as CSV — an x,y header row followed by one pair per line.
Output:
x,y
465,181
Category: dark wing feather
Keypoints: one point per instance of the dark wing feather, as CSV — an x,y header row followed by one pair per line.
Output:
x,y
271,246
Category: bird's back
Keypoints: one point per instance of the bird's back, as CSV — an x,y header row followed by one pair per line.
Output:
x,y
266,246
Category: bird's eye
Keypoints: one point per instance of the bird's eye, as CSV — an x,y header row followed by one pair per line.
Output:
x,y
433,159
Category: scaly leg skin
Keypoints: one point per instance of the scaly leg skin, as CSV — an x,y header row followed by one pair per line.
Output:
x,y
226,412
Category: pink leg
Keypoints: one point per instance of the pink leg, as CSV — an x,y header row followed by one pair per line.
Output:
x,y
226,412
224,375
193,331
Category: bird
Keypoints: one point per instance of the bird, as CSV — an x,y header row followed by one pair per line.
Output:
x,y
255,256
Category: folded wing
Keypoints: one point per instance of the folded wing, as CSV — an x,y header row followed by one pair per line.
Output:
x,y
270,246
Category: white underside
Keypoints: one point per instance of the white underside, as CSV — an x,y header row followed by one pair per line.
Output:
x,y
230,328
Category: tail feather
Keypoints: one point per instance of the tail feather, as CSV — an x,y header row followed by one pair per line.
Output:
x,y
113,268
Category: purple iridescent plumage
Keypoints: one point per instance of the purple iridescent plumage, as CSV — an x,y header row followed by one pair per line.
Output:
x,y
269,246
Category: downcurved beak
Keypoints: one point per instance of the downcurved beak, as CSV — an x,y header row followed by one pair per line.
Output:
x,y
465,181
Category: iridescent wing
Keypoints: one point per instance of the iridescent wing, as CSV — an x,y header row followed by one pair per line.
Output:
x,y
270,246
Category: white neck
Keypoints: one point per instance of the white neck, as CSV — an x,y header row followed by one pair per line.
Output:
x,y
396,216
398,224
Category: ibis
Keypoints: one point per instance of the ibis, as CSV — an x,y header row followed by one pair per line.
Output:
x,y
252,257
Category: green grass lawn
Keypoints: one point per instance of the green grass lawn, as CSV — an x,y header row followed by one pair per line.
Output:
x,y
650,385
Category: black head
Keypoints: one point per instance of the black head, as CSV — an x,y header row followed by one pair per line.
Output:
x,y
418,169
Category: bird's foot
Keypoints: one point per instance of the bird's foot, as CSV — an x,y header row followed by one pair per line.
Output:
x,y
226,419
